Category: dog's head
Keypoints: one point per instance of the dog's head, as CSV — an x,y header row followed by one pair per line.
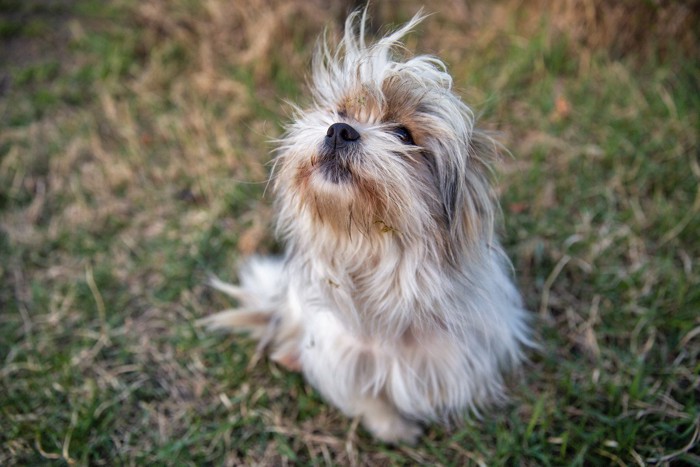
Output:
x,y
386,147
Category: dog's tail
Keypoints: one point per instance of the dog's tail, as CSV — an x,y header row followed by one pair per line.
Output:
x,y
261,283
262,311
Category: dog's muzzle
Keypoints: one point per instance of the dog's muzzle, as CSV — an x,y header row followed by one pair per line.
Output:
x,y
336,154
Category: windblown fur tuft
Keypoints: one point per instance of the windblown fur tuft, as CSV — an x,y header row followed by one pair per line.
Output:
x,y
394,297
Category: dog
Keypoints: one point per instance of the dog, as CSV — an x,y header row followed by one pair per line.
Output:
x,y
394,297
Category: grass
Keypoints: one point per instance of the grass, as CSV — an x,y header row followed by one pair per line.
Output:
x,y
133,155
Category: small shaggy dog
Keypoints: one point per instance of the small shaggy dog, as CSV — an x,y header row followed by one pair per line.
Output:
x,y
394,297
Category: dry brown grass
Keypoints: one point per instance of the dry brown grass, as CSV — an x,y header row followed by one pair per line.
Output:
x,y
629,26
118,199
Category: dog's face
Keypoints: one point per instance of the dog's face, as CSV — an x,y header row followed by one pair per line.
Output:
x,y
387,146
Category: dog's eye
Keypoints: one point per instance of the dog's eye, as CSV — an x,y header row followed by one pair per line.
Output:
x,y
403,134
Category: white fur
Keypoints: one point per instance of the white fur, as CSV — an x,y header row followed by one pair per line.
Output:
x,y
405,313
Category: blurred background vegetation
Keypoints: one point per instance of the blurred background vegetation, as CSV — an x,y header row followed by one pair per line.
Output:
x,y
134,142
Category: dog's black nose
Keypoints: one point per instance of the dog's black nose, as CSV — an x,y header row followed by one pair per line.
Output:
x,y
340,135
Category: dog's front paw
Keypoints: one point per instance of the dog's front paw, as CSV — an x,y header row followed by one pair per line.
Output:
x,y
391,427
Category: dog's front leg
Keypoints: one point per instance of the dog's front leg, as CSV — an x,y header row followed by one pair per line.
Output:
x,y
382,419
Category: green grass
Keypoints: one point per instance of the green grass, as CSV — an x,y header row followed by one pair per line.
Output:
x,y
133,160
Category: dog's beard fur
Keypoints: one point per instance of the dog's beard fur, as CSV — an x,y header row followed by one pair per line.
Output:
x,y
393,298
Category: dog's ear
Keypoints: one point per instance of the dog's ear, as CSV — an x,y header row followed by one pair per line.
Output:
x,y
445,181
463,179
450,185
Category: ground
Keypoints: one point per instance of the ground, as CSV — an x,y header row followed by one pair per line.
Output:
x,y
134,149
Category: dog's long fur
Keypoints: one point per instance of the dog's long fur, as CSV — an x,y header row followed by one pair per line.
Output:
x,y
394,297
